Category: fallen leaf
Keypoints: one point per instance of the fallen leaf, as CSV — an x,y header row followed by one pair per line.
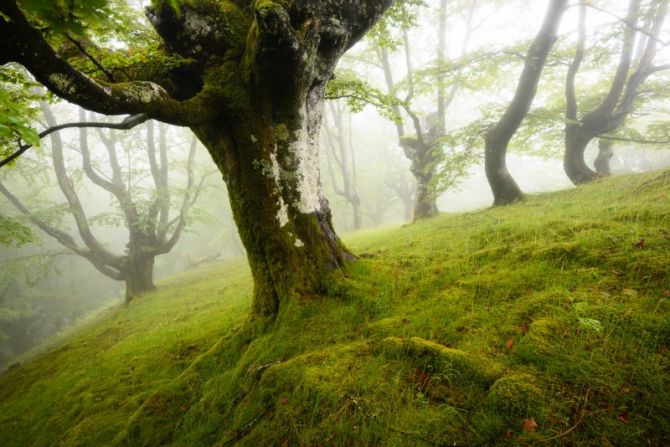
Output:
x,y
630,292
623,417
529,425
509,343
666,293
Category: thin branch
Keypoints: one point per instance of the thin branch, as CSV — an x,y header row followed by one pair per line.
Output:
x,y
633,140
89,57
625,21
126,124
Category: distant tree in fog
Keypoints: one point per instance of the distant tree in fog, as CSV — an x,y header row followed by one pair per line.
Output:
x,y
145,211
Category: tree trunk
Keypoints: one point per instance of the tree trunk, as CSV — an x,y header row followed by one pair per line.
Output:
x,y
605,154
270,165
426,196
576,140
358,212
423,166
138,274
504,188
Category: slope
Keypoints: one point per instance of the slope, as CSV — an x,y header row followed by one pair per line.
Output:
x,y
538,322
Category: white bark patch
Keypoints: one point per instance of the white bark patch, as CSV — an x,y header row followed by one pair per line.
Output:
x,y
306,150
282,214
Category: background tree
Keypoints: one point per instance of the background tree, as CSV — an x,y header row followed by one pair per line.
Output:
x,y
341,160
152,231
424,149
504,188
251,85
632,71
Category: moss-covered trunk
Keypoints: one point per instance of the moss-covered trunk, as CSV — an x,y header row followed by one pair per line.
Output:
x,y
426,196
138,274
423,167
270,165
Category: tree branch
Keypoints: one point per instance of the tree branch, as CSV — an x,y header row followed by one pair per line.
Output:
x,y
68,190
62,237
570,92
24,44
126,124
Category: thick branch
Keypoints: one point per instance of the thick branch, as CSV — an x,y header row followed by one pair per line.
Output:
x,y
62,237
570,92
67,188
619,83
24,44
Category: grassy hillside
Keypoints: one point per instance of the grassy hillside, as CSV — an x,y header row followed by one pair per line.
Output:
x,y
535,324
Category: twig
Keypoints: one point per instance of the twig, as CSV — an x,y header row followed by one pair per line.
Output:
x,y
579,421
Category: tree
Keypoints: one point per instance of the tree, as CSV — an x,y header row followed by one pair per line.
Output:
x,y
424,148
340,148
497,138
632,71
151,229
251,85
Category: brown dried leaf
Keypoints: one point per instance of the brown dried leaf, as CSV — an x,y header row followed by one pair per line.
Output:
x,y
529,425
509,343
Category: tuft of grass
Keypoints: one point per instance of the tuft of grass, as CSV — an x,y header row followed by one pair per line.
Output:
x,y
453,331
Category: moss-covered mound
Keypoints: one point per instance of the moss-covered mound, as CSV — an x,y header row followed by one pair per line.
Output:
x,y
535,324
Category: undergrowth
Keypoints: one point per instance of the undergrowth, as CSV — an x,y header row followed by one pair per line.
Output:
x,y
535,324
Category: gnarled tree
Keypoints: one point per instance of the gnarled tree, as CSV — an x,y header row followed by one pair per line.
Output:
x,y
632,71
252,91
504,188
152,230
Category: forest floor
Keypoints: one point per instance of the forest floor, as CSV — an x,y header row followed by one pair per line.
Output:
x,y
539,323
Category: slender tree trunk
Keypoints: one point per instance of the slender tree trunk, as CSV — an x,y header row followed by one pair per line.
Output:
x,y
270,164
605,154
358,212
576,141
504,188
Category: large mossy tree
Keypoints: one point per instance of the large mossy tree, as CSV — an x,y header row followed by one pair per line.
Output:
x,y
252,88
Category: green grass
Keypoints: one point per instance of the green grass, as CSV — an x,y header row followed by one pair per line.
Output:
x,y
453,331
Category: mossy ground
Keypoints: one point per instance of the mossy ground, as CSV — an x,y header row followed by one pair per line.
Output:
x,y
454,331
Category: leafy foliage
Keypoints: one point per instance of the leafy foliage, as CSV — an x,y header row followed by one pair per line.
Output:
x,y
400,17
13,232
17,110
358,94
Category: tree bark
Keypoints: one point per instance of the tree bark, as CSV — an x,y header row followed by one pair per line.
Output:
x,y
138,273
284,221
504,188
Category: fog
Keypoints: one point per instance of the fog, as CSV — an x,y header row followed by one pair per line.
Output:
x,y
45,288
